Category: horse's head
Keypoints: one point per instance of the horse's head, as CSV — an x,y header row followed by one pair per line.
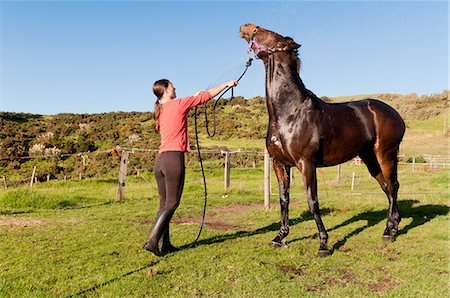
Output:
x,y
264,42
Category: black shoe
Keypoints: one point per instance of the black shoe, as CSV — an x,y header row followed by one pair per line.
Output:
x,y
166,246
157,231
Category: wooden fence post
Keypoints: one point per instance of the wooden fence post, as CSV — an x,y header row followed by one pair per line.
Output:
x,y
266,179
353,180
122,175
226,177
5,184
32,176
414,164
338,177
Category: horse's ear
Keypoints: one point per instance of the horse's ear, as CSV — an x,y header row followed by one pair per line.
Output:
x,y
293,45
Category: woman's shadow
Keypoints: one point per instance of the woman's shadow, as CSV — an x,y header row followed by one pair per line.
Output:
x,y
420,215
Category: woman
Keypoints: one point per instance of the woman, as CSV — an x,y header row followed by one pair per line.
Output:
x,y
171,123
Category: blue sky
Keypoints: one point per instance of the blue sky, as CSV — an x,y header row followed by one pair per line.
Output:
x,y
94,57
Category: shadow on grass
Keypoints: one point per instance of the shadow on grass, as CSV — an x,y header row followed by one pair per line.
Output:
x,y
60,206
419,214
14,212
274,227
109,281
240,234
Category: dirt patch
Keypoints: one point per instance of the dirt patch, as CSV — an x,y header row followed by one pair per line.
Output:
x,y
345,250
291,270
346,276
143,222
237,208
19,221
384,285
316,288
210,222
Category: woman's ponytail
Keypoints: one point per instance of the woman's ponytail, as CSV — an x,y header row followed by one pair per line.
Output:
x,y
158,89
156,115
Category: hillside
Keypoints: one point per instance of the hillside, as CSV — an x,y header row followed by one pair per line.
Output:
x,y
240,123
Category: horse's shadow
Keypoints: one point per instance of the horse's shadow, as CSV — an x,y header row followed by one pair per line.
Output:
x,y
241,234
420,215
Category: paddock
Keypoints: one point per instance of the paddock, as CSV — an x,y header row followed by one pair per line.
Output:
x,y
63,237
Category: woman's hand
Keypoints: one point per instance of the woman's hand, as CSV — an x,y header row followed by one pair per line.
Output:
x,y
216,90
232,83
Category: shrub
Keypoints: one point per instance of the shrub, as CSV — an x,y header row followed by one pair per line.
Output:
x,y
418,159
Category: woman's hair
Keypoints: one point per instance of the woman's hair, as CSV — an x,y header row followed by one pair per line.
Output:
x,y
158,89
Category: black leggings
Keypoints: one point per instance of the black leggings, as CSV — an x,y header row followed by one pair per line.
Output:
x,y
169,173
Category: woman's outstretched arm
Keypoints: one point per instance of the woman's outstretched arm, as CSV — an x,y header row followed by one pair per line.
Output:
x,y
216,90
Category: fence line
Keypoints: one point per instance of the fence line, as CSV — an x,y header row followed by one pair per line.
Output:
x,y
436,160
428,162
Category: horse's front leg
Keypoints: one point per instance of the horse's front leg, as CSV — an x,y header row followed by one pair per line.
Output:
x,y
310,180
282,172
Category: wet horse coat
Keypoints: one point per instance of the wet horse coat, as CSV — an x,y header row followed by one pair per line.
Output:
x,y
306,132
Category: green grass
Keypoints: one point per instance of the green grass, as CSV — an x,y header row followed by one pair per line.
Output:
x,y
353,97
56,195
433,124
426,136
50,249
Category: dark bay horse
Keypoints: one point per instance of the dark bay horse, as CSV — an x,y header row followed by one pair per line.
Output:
x,y
306,132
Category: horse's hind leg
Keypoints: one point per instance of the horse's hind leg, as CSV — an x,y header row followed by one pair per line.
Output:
x,y
370,160
383,167
282,172
388,161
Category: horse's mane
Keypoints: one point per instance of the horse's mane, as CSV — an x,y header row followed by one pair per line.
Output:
x,y
295,54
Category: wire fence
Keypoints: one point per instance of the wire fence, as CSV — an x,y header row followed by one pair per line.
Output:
x,y
106,163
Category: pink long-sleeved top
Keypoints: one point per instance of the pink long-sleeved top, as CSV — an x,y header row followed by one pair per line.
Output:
x,y
173,123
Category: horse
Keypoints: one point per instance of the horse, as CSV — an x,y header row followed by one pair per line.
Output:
x,y
307,133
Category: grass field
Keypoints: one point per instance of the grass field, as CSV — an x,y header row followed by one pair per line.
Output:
x,y
61,238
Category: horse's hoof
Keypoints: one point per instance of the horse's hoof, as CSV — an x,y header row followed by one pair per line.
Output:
x,y
387,238
323,253
278,244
